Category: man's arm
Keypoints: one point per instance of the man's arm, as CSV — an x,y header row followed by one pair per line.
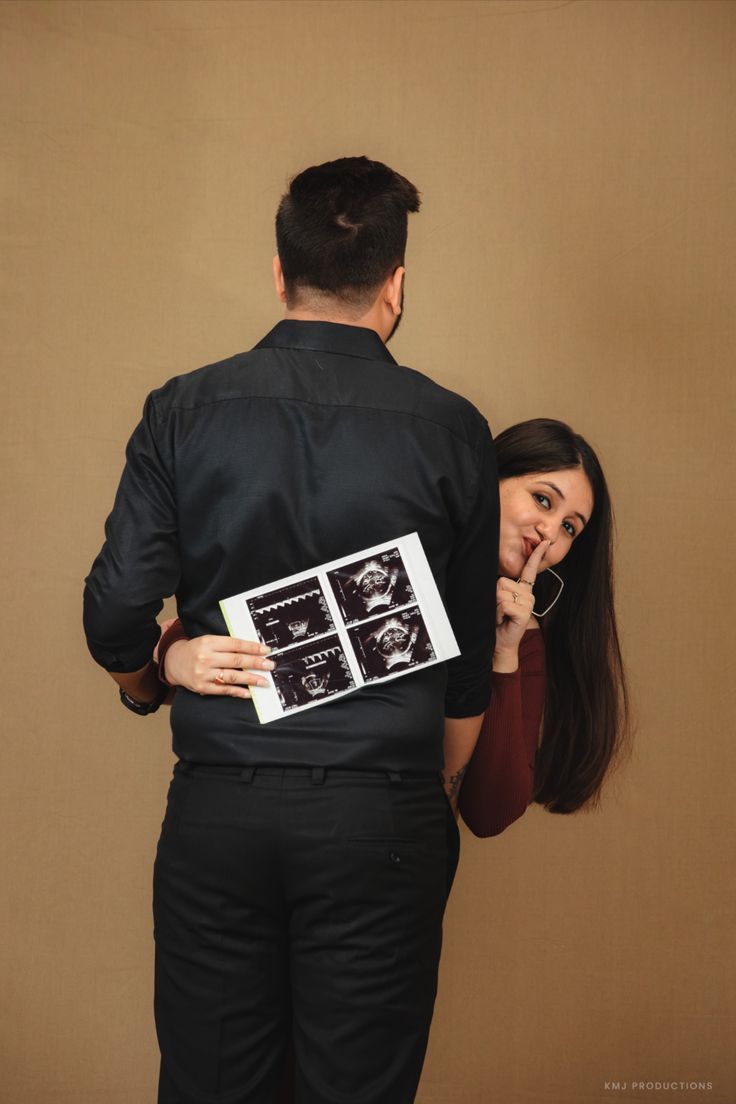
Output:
x,y
461,736
138,565
143,685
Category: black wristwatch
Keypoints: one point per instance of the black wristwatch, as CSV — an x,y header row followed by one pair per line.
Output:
x,y
144,708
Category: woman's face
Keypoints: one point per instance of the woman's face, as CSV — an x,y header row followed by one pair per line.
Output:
x,y
552,506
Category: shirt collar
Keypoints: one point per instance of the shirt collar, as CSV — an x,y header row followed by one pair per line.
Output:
x,y
326,337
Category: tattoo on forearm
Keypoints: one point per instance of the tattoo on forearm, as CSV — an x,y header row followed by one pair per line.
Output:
x,y
452,784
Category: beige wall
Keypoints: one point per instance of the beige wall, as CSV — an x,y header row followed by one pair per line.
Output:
x,y
574,258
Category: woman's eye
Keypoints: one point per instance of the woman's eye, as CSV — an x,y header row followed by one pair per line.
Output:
x,y
570,528
542,499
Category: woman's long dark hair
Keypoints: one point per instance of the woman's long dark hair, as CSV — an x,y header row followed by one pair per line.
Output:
x,y
586,714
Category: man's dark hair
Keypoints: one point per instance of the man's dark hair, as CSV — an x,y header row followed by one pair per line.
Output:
x,y
341,229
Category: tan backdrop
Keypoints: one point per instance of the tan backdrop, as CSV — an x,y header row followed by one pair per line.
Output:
x,y
574,258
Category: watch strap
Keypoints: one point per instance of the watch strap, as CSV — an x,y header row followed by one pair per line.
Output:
x,y
143,708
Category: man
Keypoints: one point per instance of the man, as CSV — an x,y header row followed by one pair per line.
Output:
x,y
303,866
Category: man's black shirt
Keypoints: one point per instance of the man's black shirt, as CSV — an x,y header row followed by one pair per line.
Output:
x,y
311,446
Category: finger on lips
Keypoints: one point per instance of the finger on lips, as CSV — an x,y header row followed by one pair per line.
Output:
x,y
531,567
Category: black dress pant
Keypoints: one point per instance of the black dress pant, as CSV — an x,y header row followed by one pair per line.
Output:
x,y
298,908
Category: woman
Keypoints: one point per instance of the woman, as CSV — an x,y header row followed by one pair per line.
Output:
x,y
557,671
564,684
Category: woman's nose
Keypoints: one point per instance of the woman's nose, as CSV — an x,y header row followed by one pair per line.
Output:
x,y
546,531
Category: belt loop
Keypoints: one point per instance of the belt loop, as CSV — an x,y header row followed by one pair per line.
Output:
x,y
246,775
394,777
318,776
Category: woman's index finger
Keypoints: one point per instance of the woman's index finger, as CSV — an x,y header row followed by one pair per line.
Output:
x,y
531,567
242,647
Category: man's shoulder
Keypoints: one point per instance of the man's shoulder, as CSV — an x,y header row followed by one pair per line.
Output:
x,y
445,407
201,385
378,385
442,396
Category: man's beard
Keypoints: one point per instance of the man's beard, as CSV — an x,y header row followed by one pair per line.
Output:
x,y
398,316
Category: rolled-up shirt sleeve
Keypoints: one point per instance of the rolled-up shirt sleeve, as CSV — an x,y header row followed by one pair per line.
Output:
x,y
471,588
138,565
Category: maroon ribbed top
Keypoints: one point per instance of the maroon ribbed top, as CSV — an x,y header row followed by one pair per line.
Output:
x,y
499,781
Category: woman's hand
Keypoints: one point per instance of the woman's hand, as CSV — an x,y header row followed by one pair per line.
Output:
x,y
514,610
218,665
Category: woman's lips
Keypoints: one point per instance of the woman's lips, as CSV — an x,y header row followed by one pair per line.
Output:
x,y
528,546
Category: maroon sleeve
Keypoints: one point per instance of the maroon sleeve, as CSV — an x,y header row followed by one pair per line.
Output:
x,y
499,781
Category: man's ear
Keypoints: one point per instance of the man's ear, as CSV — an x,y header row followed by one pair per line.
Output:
x,y
278,279
393,289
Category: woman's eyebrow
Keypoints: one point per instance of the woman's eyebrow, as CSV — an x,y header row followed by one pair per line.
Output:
x,y
559,492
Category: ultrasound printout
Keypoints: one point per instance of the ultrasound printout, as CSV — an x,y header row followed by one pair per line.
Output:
x,y
368,617
291,614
